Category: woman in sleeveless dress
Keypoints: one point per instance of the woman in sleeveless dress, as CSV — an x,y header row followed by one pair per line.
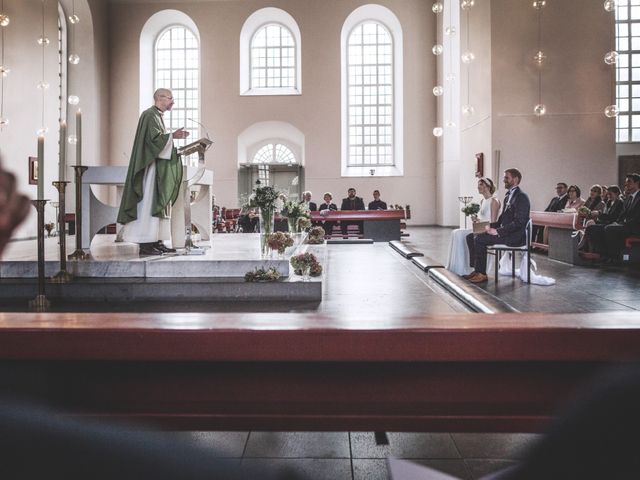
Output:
x,y
458,261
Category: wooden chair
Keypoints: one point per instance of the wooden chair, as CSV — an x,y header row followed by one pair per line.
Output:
x,y
526,248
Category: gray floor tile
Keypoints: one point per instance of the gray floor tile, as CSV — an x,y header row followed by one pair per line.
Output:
x,y
480,468
318,469
298,445
376,469
404,445
221,444
493,445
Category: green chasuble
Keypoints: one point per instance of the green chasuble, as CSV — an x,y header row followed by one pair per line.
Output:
x,y
149,142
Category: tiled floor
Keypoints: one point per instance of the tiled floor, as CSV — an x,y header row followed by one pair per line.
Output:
x,y
356,456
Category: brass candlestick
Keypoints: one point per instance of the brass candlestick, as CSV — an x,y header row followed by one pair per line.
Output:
x,y
466,200
79,254
62,276
40,303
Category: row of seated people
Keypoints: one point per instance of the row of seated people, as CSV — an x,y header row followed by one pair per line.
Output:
x,y
248,220
606,219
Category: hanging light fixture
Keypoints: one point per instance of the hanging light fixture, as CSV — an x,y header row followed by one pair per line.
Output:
x,y
540,109
611,58
467,57
4,70
437,50
43,85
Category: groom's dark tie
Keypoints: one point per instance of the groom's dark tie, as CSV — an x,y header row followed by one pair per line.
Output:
x,y
506,200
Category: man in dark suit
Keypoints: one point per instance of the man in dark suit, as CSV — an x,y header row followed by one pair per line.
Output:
x,y
556,204
351,203
608,240
377,204
306,198
509,229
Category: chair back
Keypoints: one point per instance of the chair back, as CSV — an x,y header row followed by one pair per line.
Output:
x,y
528,232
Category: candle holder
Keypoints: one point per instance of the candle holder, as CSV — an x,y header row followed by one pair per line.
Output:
x,y
62,276
79,254
466,200
40,303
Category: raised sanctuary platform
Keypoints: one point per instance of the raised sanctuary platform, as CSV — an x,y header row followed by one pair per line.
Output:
x,y
116,273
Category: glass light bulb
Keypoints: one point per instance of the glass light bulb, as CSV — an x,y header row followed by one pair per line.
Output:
x,y
539,4
44,41
468,110
540,109
73,100
450,77
437,7
610,58
539,57
611,111
72,139
610,5
74,18
43,85
42,130
468,57
437,49
74,59
451,124
451,30
4,70
467,4
4,20
438,90
4,122
438,131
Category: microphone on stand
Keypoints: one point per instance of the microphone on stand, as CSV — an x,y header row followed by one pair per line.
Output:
x,y
203,127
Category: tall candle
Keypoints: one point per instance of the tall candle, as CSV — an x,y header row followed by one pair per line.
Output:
x,y
41,167
63,151
79,137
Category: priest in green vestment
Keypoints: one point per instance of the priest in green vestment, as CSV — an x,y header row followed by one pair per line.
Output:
x,y
153,180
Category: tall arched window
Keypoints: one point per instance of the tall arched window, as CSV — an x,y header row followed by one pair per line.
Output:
x,y
177,66
270,54
372,98
275,153
273,57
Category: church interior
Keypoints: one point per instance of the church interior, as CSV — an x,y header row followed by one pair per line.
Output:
x,y
380,350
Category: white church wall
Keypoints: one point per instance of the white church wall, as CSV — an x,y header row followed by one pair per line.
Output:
x,y
574,142
316,113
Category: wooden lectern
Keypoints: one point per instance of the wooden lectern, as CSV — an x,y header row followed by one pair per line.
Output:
x,y
181,237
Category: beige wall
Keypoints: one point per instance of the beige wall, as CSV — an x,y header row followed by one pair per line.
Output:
x,y
574,142
316,112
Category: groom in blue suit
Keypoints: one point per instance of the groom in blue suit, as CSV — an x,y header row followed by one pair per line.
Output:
x,y
509,229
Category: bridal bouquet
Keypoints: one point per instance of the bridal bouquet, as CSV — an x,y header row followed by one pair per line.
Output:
x,y
471,209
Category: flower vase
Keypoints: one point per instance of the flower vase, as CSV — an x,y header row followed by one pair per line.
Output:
x,y
306,273
266,229
293,225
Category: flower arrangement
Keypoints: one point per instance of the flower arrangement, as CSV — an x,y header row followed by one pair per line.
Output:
x,y
303,223
265,198
295,212
471,209
305,263
316,235
279,241
261,274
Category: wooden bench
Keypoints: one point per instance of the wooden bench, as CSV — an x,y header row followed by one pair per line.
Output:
x,y
378,225
196,371
563,245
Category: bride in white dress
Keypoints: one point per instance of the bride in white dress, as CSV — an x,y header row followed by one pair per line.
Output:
x,y
458,261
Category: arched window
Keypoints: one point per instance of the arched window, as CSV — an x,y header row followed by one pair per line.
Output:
x,y
274,154
372,132
270,54
177,68
273,60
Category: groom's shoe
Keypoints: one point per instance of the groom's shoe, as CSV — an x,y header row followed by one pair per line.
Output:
x,y
478,278
163,248
467,277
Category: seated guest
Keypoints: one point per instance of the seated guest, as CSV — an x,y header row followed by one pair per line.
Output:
x,y
14,207
509,229
608,240
610,213
458,261
377,204
575,201
248,220
595,202
327,206
351,203
306,198
556,204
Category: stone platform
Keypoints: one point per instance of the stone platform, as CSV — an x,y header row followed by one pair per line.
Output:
x,y
115,273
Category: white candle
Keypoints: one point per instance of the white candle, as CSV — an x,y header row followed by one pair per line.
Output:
x,y
79,137
41,167
63,151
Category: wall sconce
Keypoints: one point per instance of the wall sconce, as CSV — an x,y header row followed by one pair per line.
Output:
x,y
372,171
